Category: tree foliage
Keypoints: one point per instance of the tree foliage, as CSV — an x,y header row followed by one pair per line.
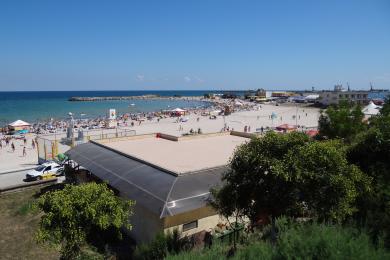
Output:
x,y
371,152
289,174
341,121
256,177
328,184
71,214
385,111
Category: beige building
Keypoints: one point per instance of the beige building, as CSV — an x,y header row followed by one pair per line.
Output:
x,y
334,97
169,177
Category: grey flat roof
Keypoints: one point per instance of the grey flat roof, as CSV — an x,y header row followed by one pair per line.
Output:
x,y
152,187
186,155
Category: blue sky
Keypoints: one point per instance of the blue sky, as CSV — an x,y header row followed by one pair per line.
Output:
x,y
163,44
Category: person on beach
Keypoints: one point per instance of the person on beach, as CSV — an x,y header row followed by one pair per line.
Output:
x,y
24,141
13,147
24,151
33,144
249,128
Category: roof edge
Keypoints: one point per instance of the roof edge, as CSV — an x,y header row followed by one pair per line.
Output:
x,y
176,174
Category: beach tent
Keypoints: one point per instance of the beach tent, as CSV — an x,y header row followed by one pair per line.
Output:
x,y
312,97
215,112
19,126
286,128
179,111
371,109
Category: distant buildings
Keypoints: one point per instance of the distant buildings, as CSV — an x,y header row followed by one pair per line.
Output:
x,y
334,97
282,94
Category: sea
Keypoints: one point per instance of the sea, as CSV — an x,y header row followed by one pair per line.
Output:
x,y
42,106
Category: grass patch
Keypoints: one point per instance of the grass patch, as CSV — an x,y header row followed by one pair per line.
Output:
x,y
19,222
27,208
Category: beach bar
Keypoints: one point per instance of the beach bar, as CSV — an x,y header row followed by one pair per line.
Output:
x,y
19,127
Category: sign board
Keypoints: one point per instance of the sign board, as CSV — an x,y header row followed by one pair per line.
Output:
x,y
112,115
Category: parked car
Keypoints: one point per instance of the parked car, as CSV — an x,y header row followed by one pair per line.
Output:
x,y
46,170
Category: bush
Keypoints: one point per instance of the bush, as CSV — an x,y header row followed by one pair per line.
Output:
x,y
299,241
162,245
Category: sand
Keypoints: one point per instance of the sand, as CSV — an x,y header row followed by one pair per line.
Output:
x,y
10,161
307,117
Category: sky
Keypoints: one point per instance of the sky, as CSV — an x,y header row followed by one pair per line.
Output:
x,y
190,45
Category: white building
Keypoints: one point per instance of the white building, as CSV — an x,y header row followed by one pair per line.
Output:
x,y
334,97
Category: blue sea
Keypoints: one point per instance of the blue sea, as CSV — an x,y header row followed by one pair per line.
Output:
x,y
39,106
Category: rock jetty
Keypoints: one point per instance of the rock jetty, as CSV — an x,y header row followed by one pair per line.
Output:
x,y
114,98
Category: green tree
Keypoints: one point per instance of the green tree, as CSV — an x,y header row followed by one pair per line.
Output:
x,y
71,214
341,121
289,175
328,183
257,179
371,152
385,111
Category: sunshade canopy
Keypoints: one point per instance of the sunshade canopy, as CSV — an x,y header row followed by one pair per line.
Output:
x,y
19,123
179,110
371,109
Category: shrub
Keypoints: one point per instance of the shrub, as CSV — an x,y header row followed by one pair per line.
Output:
x,y
299,241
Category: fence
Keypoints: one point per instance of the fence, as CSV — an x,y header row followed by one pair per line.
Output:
x,y
49,146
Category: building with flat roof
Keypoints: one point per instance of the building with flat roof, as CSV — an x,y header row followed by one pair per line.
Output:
x,y
334,97
168,177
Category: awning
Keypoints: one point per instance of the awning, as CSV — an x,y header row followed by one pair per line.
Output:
x,y
19,123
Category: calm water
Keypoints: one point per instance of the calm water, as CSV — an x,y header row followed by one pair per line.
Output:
x,y
41,106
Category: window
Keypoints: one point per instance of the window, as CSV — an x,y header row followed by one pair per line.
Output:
x,y
190,225
48,168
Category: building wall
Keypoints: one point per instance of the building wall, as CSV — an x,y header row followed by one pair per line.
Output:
x,y
146,225
334,97
207,219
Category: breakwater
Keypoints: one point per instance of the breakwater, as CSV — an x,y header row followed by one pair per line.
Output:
x,y
148,97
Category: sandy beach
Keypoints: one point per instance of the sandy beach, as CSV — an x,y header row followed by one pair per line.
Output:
x,y
256,119
12,161
253,119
